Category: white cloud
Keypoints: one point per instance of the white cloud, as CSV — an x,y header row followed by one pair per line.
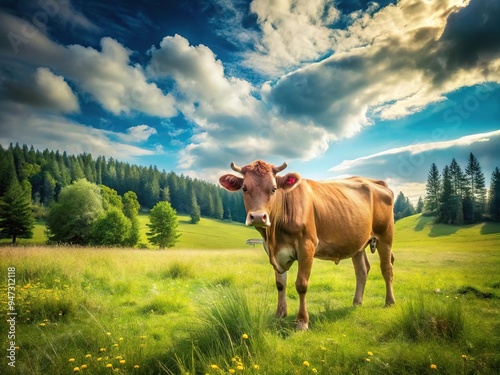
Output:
x,y
411,163
292,32
19,123
107,75
118,86
204,89
56,90
139,133
405,168
43,90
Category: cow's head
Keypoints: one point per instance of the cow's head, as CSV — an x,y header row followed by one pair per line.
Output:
x,y
259,184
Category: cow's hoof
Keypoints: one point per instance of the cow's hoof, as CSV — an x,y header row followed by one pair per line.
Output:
x,y
300,325
281,313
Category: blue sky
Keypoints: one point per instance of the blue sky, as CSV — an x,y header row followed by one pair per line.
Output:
x,y
335,88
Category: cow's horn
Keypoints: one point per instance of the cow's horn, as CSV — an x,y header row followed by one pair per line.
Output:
x,y
280,168
235,168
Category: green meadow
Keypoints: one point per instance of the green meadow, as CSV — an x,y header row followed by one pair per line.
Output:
x,y
207,307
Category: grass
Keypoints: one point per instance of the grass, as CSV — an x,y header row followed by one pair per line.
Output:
x,y
185,310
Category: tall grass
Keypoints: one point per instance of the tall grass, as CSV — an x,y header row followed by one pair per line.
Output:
x,y
425,319
223,335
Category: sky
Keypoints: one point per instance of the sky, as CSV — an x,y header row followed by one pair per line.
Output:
x,y
334,88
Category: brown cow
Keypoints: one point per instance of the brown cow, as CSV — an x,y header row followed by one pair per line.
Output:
x,y
302,219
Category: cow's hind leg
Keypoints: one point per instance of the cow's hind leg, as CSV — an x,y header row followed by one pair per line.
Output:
x,y
361,269
281,311
386,266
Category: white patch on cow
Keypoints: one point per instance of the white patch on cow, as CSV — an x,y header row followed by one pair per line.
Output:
x,y
285,257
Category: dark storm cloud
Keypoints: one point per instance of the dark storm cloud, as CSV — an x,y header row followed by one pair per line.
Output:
x,y
469,41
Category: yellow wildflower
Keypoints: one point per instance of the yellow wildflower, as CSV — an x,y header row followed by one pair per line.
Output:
x,y
433,367
370,354
115,345
108,333
256,367
305,363
76,369
71,360
367,359
136,366
214,367
102,349
122,361
88,356
232,371
42,324
244,336
464,357
323,348
109,365
314,370
118,357
240,367
120,339
99,359
84,366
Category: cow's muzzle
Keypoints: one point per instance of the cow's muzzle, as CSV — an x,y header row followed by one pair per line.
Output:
x,y
258,219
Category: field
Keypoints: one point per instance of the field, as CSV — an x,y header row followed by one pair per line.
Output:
x,y
207,305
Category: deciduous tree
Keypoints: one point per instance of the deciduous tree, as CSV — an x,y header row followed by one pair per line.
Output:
x,y
163,225
71,219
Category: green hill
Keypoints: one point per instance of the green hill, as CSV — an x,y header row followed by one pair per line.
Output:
x,y
420,232
209,234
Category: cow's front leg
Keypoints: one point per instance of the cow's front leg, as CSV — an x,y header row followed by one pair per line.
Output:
x,y
305,264
281,311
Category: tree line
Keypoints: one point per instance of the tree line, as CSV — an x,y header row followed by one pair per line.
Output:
x,y
47,172
457,196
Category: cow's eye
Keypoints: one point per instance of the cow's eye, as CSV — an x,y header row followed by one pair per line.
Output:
x,y
244,188
274,190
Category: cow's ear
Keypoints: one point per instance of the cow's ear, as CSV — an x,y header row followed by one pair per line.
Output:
x,y
230,182
288,181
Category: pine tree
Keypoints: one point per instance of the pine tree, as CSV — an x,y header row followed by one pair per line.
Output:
x,y
7,171
446,213
458,179
218,206
16,218
194,210
399,206
163,225
420,205
433,189
494,195
476,186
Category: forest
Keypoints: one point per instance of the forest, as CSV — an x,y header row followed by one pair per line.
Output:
x,y
49,171
459,196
